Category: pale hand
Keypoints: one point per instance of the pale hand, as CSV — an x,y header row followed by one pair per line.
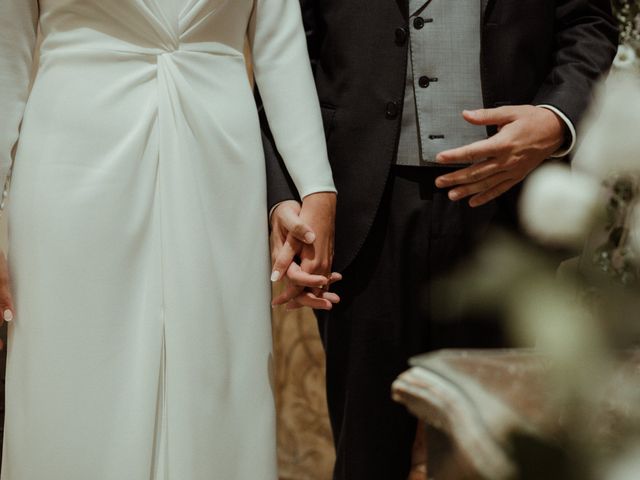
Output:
x,y
6,300
526,137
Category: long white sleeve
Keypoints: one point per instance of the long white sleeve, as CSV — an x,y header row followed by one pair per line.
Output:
x,y
285,80
18,30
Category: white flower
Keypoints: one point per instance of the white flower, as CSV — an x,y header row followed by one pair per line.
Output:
x,y
627,466
559,206
611,134
626,58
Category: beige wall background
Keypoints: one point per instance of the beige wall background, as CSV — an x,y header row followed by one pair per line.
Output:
x,y
305,445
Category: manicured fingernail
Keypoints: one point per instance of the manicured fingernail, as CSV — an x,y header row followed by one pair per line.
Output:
x,y
453,195
275,276
309,237
7,315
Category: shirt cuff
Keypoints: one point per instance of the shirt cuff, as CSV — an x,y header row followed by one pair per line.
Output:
x,y
563,152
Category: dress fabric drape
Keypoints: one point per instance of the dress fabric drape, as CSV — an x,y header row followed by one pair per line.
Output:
x,y
138,233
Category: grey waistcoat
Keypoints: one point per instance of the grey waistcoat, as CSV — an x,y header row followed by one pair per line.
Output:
x,y
443,78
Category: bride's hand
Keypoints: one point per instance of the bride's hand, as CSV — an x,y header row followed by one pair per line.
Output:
x,y
288,234
6,301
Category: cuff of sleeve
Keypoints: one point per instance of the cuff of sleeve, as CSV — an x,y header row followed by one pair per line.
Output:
x,y
563,152
317,189
273,209
310,191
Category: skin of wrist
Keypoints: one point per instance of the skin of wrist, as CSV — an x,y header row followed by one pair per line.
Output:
x,y
323,204
329,198
319,206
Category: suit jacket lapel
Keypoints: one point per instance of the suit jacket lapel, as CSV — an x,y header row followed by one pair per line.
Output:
x,y
404,7
485,7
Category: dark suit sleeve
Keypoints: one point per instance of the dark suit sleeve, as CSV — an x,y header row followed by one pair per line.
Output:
x,y
280,187
586,43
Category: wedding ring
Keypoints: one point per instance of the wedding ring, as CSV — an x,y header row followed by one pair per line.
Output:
x,y
325,288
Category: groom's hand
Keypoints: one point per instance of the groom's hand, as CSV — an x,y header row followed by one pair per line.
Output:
x,y
527,136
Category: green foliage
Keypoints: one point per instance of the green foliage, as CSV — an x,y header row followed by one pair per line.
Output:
x,y
615,257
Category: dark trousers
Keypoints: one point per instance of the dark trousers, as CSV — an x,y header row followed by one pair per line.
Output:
x,y
385,317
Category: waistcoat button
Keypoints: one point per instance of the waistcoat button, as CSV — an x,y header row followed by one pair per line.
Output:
x,y
392,110
401,36
424,82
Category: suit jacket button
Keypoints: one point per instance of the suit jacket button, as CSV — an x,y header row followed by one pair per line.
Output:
x,y
424,82
392,110
401,36
418,23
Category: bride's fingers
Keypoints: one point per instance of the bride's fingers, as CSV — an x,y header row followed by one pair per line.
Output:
x,y
285,257
294,295
6,305
293,305
275,245
6,301
308,299
299,277
291,292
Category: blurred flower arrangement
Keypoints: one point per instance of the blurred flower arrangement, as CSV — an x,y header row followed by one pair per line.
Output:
x,y
585,317
592,332
600,194
600,198
628,14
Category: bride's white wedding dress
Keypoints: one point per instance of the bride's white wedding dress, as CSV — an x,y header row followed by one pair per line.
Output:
x,y
138,233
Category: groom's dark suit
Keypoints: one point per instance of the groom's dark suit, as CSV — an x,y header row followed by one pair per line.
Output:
x,y
395,231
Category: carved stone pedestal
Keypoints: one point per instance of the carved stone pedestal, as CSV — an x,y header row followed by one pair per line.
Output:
x,y
472,401
475,401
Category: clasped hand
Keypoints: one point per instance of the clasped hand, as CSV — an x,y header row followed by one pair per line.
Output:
x,y
307,233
